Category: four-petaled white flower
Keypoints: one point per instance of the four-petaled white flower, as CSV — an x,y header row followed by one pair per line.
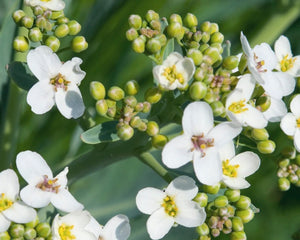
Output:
x,y
12,210
290,123
239,110
54,5
58,83
117,228
42,188
261,61
200,142
173,205
175,72
236,168
72,226
286,62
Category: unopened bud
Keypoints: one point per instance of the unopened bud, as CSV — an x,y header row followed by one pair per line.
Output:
x,y
147,107
284,184
159,141
152,128
79,44
153,95
205,237
176,18
175,30
201,199
214,55
231,62
162,39
131,34
205,37
16,230
21,44
215,232
244,202
97,90
293,178
153,45
151,15
139,107
198,90
156,25
196,55
142,127
29,234
4,236
33,223
263,103
62,30
135,122
284,163
41,22
35,34
116,93
266,146
218,108
203,47
242,64
125,132
57,14
131,87
190,20
232,195
27,22
237,224
53,43
18,15
43,229
214,27
74,27
130,101
101,107
222,211
205,27
62,20
230,210
199,74
217,37
238,236
135,21
246,215
259,134
214,189
203,229
213,221
138,45
221,201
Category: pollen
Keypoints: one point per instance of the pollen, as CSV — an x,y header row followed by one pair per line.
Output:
x,y
238,107
201,143
5,203
59,82
65,232
287,63
229,170
259,64
48,185
170,206
172,75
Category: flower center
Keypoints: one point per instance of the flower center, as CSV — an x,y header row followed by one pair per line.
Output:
x,y
287,63
59,82
201,143
259,64
238,107
172,74
65,232
298,122
46,0
49,185
229,170
5,203
170,206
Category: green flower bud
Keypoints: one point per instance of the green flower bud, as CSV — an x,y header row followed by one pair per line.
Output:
x,y
16,230
142,127
230,62
201,199
4,236
33,223
62,20
29,234
205,27
215,232
116,93
156,25
210,96
97,90
21,44
196,55
153,45
221,201
40,238
190,20
263,103
266,146
175,30
259,134
153,95
205,37
212,189
227,230
41,22
138,45
175,18
79,44
243,203
199,74
246,215
203,47
218,108
198,90
135,21
57,14
204,238
217,37
203,229
125,132
213,54
213,221
222,211
131,87
101,107
228,223
147,107
27,22
74,27
293,178
135,122
159,141
232,195
35,34
53,43
62,30
284,184
130,101
162,39
214,27
18,15
284,163
243,64
237,224
43,229
152,128
197,36
289,152
151,15
131,34
230,210
238,236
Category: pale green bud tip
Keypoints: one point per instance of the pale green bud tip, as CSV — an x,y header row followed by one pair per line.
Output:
x,y
131,87
18,15
62,20
218,108
151,15
246,215
214,27
43,229
97,90
79,44
152,128
284,184
74,27
29,233
213,54
21,44
37,10
16,230
57,14
27,22
135,122
263,103
153,45
135,21
125,132
212,189
266,146
201,199
53,43
156,25
62,30
130,101
159,141
175,30
284,163
116,93
243,203
205,27
153,95
35,34
196,55
232,195
33,223
221,201
205,237
138,45
237,224
217,37
190,20
4,236
238,236
131,34
146,107
176,18
231,62
203,229
259,134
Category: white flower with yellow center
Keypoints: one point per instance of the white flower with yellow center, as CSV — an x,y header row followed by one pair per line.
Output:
x,y
238,108
173,205
72,227
42,187
286,62
55,5
237,168
290,123
200,142
11,209
175,72
58,83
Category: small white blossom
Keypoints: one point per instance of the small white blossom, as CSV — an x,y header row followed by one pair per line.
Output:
x,y
55,5
237,168
58,83
175,72
42,187
200,142
173,205
11,209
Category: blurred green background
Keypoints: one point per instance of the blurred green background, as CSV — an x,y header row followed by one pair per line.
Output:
x,y
111,190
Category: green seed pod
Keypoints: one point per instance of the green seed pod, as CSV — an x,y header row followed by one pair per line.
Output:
x,y
97,90
175,30
125,132
214,27
217,107
131,87
57,14
205,37
4,236
159,141
196,55
147,107
130,101
266,146
162,39
151,15
233,195
43,229
217,37
190,20
203,229
21,44
263,103
16,230
138,45
79,44
18,15
214,55
101,107
116,93
62,30
74,27
27,22
215,232
176,18
212,189
53,43
237,224
131,34
243,203
156,25
153,45
246,215
205,27
259,134
221,201
33,223
29,234
201,199
35,34
62,20
284,184
152,128
230,62
153,95
198,90
238,236
135,21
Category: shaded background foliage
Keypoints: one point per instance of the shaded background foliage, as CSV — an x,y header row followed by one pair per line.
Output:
x,y
109,59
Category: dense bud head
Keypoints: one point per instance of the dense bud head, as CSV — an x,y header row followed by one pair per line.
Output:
x,y
74,27
101,107
4,236
43,229
203,229
238,236
153,95
151,15
116,93
131,34
221,201
130,101
18,15
57,14
97,90
244,202
190,20
218,108
246,215
217,37
62,20
79,44
175,30
159,141
153,45
125,132
29,234
201,199
214,27
205,27
53,43
27,22
21,44
35,34
176,18
284,184
152,128
138,45
263,103
230,62
16,230
232,195
196,55
266,146
62,30
135,21
259,134
131,87
214,189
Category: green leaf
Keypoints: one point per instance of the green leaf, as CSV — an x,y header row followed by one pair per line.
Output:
x,y
104,132
21,75
169,48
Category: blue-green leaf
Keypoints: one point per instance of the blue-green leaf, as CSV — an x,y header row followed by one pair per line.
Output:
x,y
169,48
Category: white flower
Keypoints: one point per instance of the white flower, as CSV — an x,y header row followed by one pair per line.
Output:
x,y
200,142
55,5
261,61
175,72
286,62
173,205
237,107
58,83
72,226
117,228
42,188
12,210
236,168
290,123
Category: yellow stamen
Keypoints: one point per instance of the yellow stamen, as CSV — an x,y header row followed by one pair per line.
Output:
x,y
170,206
172,74
5,203
65,232
229,170
59,81
287,63
46,0
238,107
298,123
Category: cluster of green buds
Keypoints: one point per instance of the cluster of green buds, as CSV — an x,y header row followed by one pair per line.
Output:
x,y
34,230
47,28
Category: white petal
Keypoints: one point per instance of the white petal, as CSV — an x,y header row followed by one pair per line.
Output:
x,y
276,111
282,47
43,63
295,106
149,200
72,72
80,219
227,151
4,223
189,214
183,186
264,52
55,5
117,228
236,183
20,213
82,234
41,97
287,82
159,224
248,163
272,85
35,197
247,84
94,227
177,152
297,139
172,59
208,169
254,118
70,103
186,66
9,184
246,46
288,124
32,167
64,201
197,119
62,178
